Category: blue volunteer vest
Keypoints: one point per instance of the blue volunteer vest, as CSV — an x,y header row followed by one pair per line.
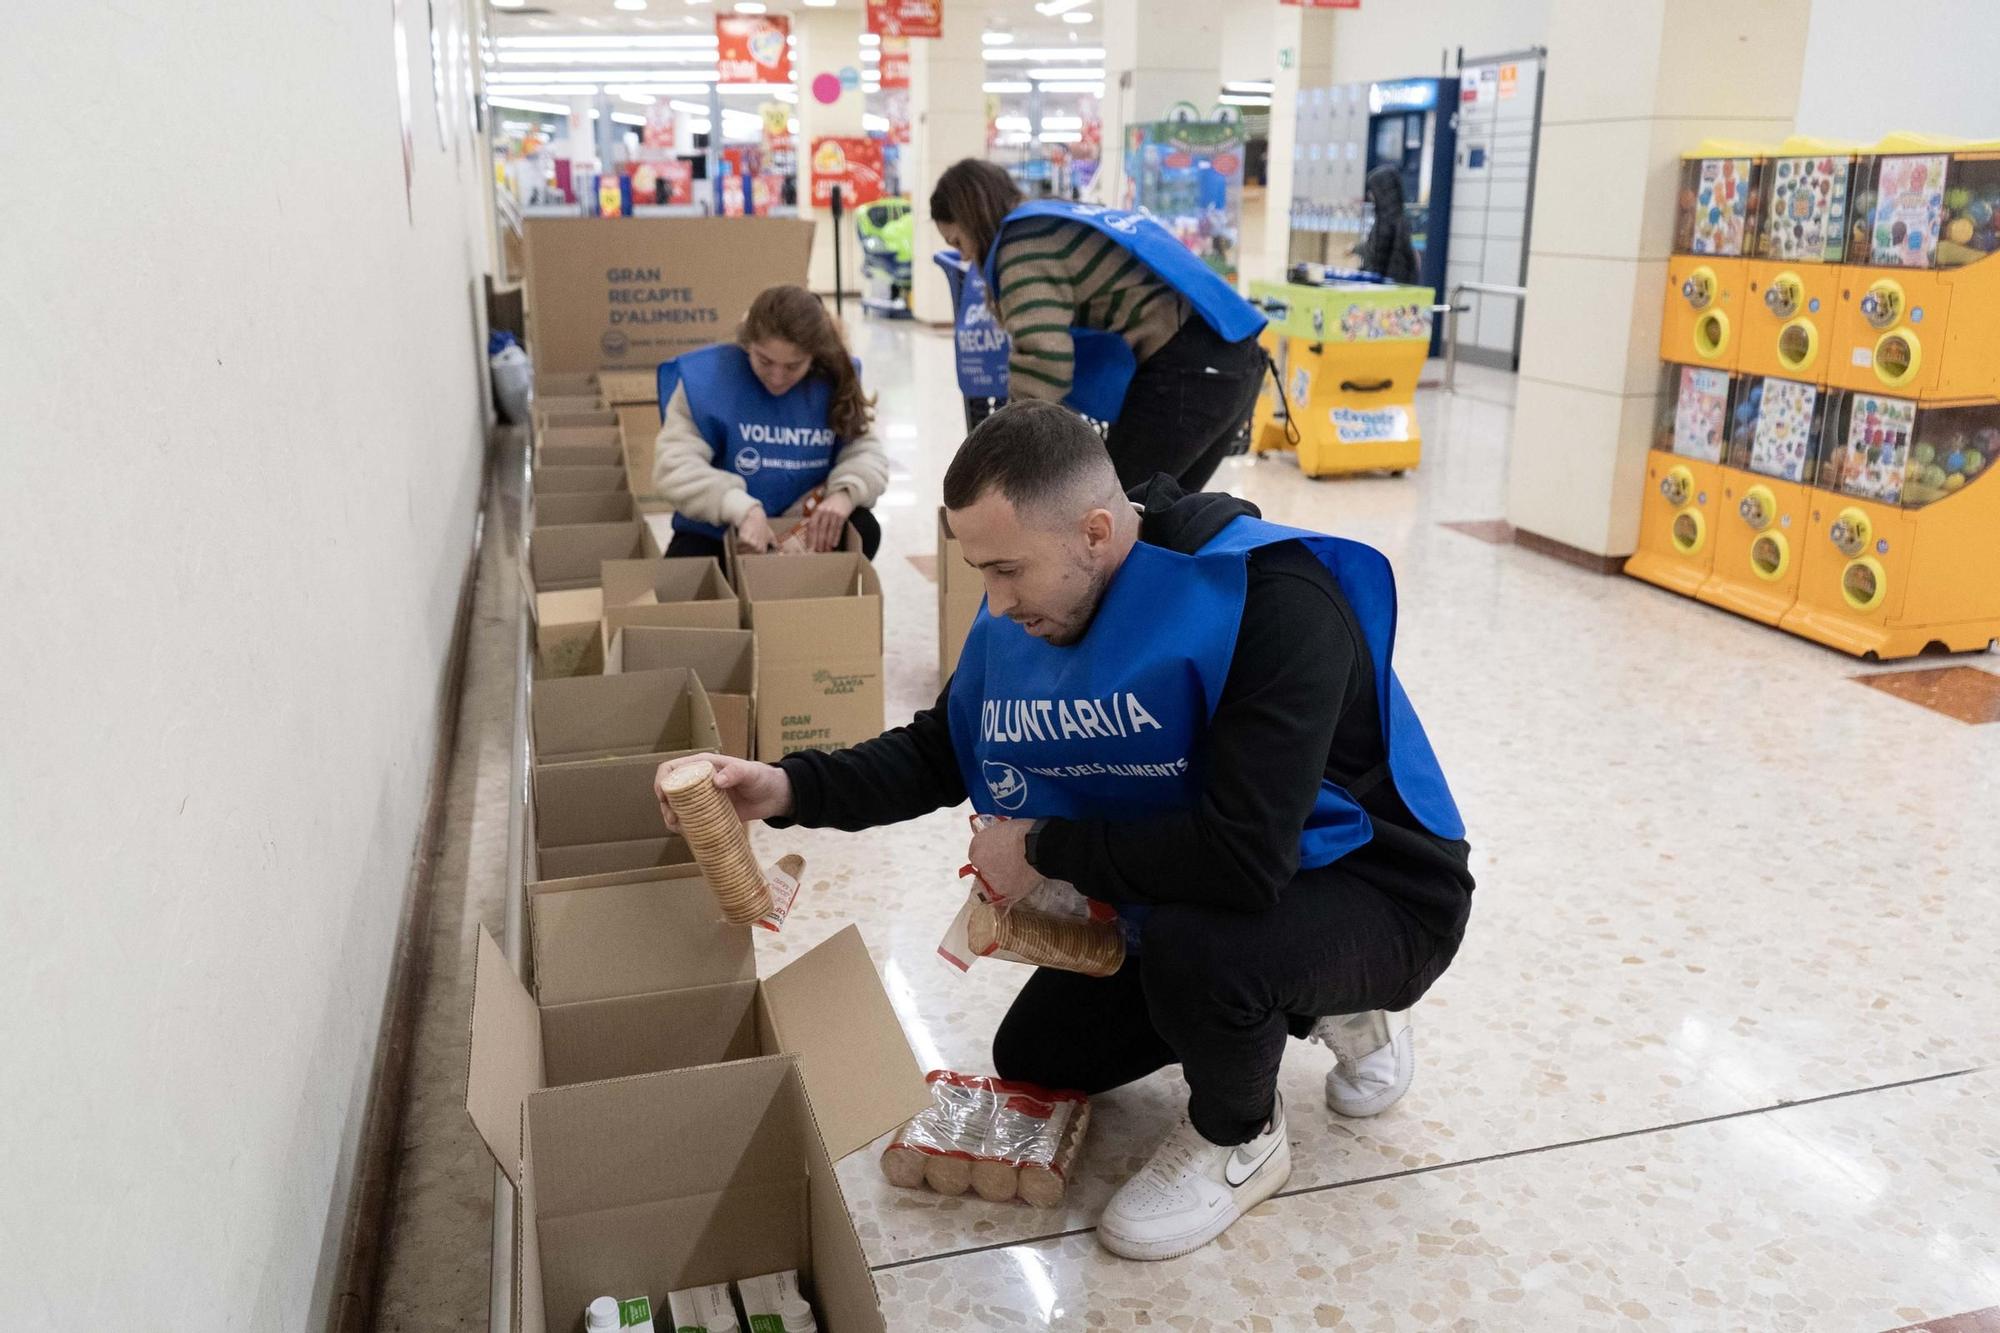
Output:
x,y
1104,361
1112,727
782,447
1232,317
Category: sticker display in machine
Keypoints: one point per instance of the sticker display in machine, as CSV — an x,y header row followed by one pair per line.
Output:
x,y
1909,207
1878,447
1808,205
1722,199
1699,410
1784,430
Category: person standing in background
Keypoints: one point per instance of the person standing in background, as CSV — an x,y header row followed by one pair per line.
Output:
x,y
1387,250
775,423
1057,268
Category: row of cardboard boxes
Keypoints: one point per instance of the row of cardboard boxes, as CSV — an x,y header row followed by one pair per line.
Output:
x,y
668,1119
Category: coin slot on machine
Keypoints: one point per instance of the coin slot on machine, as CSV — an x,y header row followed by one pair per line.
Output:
x,y
1715,224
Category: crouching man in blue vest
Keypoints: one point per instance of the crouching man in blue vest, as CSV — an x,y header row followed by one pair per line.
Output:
x,y
1189,713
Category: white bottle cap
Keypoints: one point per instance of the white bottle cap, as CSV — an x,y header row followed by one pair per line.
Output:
x,y
602,1315
798,1316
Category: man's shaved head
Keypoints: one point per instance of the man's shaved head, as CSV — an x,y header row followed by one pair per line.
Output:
x,y
1045,459
1038,511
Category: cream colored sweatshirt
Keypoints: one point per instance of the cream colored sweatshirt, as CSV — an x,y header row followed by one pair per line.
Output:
x,y
685,474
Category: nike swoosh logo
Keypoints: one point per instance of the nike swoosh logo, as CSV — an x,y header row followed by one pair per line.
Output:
x,y
1229,1170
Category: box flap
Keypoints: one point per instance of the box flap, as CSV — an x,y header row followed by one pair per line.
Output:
x,y
559,480
567,509
643,1034
643,712
724,659
624,939
680,579
590,859
597,800
828,1008
505,1061
571,606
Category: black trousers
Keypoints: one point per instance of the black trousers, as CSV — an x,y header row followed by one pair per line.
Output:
x,y
1185,407
1217,992
861,520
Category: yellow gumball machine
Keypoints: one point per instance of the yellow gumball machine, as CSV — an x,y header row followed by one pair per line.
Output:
x,y
1761,514
1793,279
1714,224
1902,539
1920,292
1683,469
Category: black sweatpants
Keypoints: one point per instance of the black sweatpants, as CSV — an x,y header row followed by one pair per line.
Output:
x,y
1185,407
1217,992
695,543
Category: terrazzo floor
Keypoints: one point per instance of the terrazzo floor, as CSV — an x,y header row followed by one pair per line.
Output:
x,y
1716,1052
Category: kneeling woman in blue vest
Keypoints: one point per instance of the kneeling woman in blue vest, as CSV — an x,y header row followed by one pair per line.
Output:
x,y
1063,275
773,424
1246,782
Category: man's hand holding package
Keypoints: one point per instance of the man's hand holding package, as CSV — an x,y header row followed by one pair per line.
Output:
x,y
999,853
755,791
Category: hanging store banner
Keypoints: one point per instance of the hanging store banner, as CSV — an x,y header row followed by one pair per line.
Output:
x,y
659,131
895,63
906,18
752,48
854,163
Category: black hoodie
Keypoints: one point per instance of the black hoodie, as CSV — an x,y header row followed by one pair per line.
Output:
x,y
1388,250
1298,704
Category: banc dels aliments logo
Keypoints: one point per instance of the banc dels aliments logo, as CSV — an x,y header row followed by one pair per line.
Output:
x,y
748,460
614,343
1005,784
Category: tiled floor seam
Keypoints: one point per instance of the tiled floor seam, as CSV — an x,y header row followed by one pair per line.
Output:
x,y
1469,1161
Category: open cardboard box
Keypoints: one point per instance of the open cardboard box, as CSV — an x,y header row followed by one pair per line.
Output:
x,y
580,446
560,480
781,528
639,713
570,417
573,555
709,1155
557,384
818,624
599,815
639,434
682,592
566,404
566,638
617,388
961,592
569,508
725,659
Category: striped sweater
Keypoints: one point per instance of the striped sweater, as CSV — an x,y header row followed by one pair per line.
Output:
x,y
1053,274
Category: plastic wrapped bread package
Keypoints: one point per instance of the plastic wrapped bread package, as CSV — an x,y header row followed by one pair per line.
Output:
x,y
999,1139
1051,926
721,846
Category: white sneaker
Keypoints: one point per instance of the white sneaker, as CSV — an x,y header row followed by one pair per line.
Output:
x,y
1375,1058
1192,1189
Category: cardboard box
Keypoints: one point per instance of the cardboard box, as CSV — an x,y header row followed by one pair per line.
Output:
x,y
573,556
598,816
653,855
629,293
652,713
818,624
726,661
567,642
688,593
617,388
563,480
781,528
563,405
639,434
960,593
580,446
556,384
568,508
578,418
686,1133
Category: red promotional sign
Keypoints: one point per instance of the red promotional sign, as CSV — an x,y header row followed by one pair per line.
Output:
x,y
751,48
854,163
675,174
895,63
906,18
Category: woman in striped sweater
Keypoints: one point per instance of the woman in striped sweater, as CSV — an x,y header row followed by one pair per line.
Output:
x,y
1056,267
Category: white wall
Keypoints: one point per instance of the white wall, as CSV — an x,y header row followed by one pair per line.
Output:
x,y
1926,65
1400,39
241,449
